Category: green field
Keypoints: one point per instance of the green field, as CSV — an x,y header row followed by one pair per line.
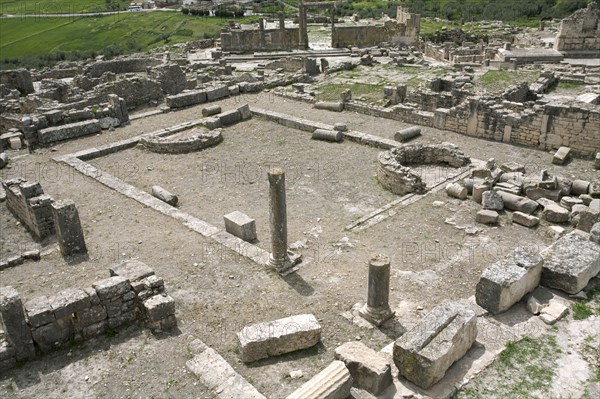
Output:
x,y
30,36
59,6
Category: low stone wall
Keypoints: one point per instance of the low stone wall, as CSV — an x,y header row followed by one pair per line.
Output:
x,y
42,324
27,201
579,34
546,126
395,176
126,65
196,141
371,35
19,79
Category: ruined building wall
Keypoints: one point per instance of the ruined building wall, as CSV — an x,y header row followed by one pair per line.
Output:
x,y
27,201
579,34
250,40
546,126
404,30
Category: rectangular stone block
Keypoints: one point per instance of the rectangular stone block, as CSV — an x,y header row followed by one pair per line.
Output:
x,y
240,225
369,370
216,93
425,353
92,315
39,311
524,219
95,330
273,338
570,263
219,377
69,301
508,280
333,382
52,336
159,307
17,332
186,99
69,232
132,270
561,156
68,131
111,287
230,117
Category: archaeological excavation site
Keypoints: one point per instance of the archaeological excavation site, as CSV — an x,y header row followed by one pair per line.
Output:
x,y
307,204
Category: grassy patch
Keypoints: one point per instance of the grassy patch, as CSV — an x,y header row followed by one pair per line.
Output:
x,y
568,86
128,32
581,311
499,80
369,92
524,369
29,7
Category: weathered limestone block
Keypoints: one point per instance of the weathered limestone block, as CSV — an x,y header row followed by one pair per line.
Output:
x,y
133,270
333,382
570,202
39,311
111,288
158,309
570,263
517,203
69,232
486,216
274,338
54,335
561,156
492,200
525,219
164,195
597,161
594,189
15,324
328,135
555,213
595,233
508,280
587,217
230,117
240,225
329,106
68,131
216,93
90,316
65,303
220,378
443,336
186,99
455,190
553,312
478,190
369,369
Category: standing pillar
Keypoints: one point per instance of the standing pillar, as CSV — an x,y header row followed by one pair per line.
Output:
x,y
281,16
15,324
69,233
279,258
377,309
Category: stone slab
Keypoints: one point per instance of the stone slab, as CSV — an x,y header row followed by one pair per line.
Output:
x,y
263,340
369,369
133,270
443,336
570,263
508,280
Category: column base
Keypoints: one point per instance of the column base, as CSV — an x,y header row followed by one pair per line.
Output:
x,y
287,265
374,315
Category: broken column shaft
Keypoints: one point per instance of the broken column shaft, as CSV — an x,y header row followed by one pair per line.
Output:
x,y
279,258
377,310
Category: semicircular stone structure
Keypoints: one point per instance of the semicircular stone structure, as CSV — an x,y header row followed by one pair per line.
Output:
x,y
183,142
395,175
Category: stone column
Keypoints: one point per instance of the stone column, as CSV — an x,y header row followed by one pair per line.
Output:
x,y
279,258
377,309
69,233
281,16
15,324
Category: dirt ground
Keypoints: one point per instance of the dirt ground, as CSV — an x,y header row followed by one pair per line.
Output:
x,y
218,292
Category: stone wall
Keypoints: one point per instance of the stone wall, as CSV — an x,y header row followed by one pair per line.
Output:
x,y
27,201
126,65
136,91
19,79
250,40
42,324
579,34
546,126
